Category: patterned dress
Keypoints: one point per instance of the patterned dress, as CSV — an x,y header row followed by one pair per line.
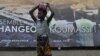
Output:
x,y
43,45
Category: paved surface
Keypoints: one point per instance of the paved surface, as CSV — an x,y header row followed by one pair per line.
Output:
x,y
55,53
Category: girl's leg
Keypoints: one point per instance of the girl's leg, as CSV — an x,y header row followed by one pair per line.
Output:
x,y
43,46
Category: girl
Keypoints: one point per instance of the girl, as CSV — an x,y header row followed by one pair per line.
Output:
x,y
42,25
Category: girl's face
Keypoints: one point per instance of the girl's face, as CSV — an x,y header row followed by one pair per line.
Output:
x,y
40,14
42,11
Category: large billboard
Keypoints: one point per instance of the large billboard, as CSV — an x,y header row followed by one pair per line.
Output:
x,y
73,25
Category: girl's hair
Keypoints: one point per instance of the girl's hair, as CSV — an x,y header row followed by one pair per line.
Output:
x,y
43,6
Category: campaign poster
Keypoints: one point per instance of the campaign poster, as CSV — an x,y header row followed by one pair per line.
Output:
x,y
76,23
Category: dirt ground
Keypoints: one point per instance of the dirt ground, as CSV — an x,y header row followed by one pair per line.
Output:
x,y
54,53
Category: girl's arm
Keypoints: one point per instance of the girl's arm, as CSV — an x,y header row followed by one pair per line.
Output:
x,y
31,13
51,16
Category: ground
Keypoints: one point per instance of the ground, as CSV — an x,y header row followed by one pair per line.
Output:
x,y
54,53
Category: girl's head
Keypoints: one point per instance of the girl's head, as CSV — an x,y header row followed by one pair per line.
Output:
x,y
42,10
